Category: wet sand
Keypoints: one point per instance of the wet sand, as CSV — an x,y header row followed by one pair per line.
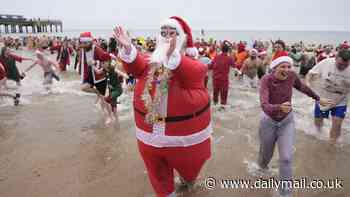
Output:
x,y
57,145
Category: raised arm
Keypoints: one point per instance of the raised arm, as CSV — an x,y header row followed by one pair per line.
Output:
x,y
304,88
18,58
133,62
101,55
30,67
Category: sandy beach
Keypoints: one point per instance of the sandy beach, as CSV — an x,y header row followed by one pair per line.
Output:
x,y
56,145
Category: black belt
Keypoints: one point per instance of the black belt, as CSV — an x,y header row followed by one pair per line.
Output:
x,y
177,118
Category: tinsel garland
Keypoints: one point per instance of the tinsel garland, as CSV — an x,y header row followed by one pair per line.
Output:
x,y
158,75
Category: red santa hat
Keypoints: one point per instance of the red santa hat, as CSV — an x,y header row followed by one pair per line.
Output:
x,y
183,29
280,60
85,37
253,51
345,45
241,47
263,53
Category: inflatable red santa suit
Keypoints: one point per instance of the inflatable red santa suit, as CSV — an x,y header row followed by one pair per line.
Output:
x,y
91,57
171,106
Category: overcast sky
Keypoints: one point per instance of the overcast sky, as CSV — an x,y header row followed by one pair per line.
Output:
x,y
201,14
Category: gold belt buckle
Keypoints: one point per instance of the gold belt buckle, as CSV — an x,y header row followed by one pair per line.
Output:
x,y
160,119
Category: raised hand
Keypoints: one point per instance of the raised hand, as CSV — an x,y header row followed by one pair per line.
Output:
x,y
122,39
171,47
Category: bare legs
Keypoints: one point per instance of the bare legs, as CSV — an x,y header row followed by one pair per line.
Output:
x,y
105,106
335,131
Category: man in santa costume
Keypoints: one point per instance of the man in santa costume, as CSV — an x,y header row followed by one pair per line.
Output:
x,y
93,75
91,57
171,106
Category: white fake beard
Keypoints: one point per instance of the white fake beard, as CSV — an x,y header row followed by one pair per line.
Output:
x,y
159,56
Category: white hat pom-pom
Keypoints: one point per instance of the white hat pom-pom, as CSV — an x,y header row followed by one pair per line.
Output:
x,y
192,52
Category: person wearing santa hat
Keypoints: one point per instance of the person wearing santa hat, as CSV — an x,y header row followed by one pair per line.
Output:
x,y
327,53
91,56
250,69
344,45
92,73
266,60
277,123
171,106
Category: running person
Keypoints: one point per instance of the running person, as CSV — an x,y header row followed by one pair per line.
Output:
x,y
47,67
114,84
277,122
334,77
250,69
8,60
91,56
3,86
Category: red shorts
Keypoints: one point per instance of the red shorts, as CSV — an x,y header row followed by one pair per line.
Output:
x,y
161,163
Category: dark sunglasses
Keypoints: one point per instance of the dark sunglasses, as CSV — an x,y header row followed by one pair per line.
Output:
x,y
85,42
171,33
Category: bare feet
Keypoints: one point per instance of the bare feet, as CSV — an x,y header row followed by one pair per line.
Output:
x,y
109,120
333,141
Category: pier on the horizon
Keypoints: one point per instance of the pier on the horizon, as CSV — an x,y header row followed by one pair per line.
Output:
x,y
19,24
